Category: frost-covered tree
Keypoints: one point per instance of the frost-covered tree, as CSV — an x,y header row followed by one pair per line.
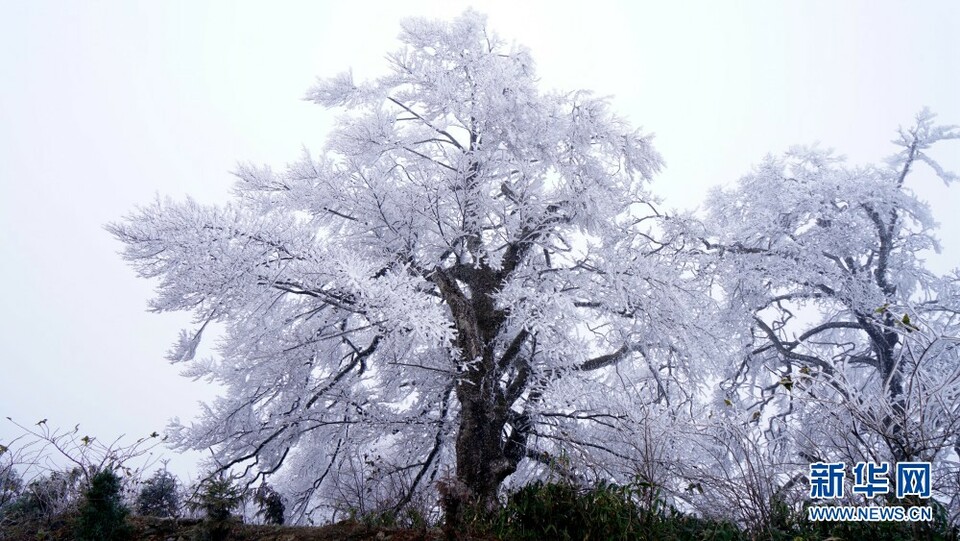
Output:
x,y
849,342
11,485
454,285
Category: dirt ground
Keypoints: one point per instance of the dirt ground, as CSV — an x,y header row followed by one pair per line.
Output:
x,y
156,529
167,530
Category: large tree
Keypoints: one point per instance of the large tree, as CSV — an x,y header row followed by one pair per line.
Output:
x,y
438,287
849,340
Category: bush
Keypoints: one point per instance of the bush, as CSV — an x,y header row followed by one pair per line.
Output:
x,y
270,503
564,512
103,517
46,497
217,497
159,496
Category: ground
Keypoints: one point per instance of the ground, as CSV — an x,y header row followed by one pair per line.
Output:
x,y
155,529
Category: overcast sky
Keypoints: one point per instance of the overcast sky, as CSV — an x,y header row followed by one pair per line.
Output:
x,y
105,104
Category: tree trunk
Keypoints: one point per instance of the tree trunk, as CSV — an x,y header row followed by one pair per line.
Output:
x,y
481,460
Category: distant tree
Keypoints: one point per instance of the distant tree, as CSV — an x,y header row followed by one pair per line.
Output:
x,y
848,341
159,496
103,516
270,503
462,280
11,484
217,497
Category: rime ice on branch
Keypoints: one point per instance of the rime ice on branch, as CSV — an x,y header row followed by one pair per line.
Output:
x,y
450,284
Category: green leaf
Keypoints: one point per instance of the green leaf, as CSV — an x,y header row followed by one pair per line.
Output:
x,y
906,323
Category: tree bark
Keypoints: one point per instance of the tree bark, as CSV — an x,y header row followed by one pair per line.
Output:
x,y
482,463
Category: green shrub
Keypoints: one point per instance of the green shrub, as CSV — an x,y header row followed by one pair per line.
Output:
x,y
159,496
565,512
217,497
102,515
560,511
270,503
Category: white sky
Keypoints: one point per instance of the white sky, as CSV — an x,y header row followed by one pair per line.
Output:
x,y
105,104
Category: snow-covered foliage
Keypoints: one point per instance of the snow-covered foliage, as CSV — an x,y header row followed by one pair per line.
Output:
x,y
472,286
470,278
848,343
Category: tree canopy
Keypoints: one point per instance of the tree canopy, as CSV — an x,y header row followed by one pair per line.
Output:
x,y
472,281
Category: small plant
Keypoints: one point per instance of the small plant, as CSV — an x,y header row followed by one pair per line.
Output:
x,y
159,496
103,517
270,503
565,511
217,497
46,497
540,509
